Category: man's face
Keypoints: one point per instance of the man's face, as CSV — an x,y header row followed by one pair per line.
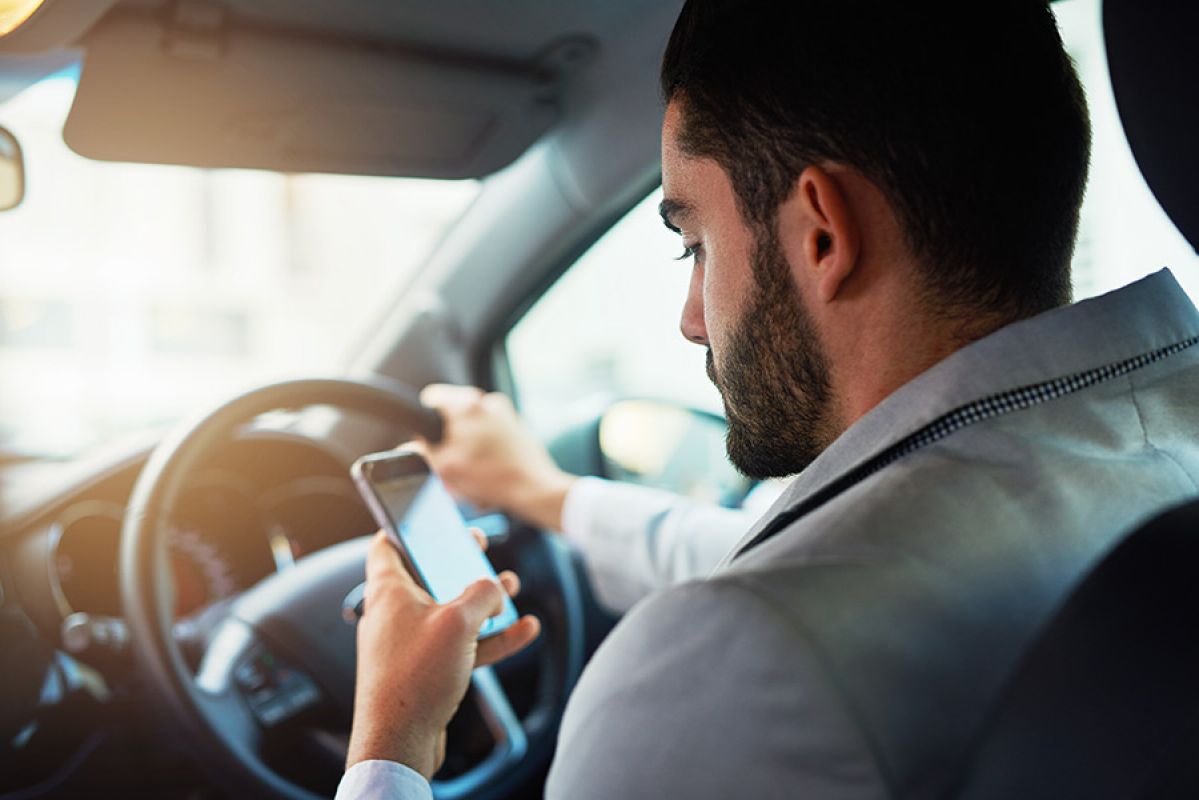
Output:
x,y
764,352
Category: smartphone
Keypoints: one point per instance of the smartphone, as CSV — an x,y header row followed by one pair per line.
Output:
x,y
422,520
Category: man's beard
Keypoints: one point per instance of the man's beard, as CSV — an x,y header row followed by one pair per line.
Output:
x,y
774,376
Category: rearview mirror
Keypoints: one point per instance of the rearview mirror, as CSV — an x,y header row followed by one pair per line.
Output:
x,y
12,171
660,444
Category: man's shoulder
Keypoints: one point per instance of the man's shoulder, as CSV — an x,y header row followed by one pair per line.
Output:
x,y
706,690
920,587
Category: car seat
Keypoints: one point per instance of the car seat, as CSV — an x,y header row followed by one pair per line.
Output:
x,y
1105,703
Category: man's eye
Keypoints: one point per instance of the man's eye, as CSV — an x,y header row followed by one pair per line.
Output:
x,y
689,251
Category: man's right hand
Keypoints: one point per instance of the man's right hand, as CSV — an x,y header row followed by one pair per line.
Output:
x,y
489,458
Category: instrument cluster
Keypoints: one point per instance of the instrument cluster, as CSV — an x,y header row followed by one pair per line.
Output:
x,y
219,542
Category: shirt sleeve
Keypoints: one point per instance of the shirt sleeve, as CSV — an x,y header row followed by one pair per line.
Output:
x,y
708,691
383,780
636,539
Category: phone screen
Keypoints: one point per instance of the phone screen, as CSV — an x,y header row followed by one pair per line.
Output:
x,y
432,532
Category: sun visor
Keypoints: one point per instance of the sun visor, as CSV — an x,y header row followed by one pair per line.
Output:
x,y
213,95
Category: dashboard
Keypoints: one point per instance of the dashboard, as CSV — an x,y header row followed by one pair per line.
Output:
x,y
267,499
78,717
264,503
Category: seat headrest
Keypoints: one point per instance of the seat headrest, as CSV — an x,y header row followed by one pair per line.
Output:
x,y
1153,58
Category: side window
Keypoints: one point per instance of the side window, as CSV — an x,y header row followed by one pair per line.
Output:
x,y
609,329
603,341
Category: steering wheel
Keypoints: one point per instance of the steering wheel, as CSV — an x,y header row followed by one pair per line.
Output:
x,y
283,649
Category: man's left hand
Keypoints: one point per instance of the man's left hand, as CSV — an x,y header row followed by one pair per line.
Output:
x,y
415,658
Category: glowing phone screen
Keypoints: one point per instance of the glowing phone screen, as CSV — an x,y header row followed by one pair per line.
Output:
x,y
434,534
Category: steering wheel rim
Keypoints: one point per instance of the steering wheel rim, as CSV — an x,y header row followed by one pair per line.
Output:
x,y
211,713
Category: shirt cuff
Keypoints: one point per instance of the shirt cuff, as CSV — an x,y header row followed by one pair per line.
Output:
x,y
383,780
578,509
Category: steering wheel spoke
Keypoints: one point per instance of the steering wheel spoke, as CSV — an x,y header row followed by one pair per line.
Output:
x,y
511,744
217,693
246,689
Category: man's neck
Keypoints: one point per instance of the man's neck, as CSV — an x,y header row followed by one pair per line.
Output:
x,y
894,343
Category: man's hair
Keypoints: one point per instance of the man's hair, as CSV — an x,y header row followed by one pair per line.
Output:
x,y
968,116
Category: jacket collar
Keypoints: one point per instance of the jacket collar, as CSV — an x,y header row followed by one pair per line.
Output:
x,y
1148,315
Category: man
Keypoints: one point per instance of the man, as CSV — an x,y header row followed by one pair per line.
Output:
x,y
634,539
881,202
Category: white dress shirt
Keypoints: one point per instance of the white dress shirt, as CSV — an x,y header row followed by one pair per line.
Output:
x,y
636,540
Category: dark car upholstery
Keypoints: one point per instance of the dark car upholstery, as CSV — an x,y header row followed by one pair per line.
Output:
x,y
1106,701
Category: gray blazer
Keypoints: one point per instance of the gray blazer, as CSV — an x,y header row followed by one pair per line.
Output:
x,y
853,652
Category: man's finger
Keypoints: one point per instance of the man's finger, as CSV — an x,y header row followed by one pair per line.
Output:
x,y
513,639
511,582
382,558
448,396
481,600
384,567
432,394
481,538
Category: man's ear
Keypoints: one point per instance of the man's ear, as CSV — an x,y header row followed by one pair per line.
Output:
x,y
831,236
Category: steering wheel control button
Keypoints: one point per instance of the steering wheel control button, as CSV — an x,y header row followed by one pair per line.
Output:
x,y
270,713
82,632
250,677
274,691
354,604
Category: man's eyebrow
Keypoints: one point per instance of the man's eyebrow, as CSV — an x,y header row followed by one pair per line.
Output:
x,y
671,210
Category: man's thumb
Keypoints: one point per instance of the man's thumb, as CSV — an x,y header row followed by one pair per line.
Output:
x,y
480,601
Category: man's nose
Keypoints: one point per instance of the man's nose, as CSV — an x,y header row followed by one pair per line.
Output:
x,y
692,323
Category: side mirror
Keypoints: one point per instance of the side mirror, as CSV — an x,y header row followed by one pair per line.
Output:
x,y
670,447
12,171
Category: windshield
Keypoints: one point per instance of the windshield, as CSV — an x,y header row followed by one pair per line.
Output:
x,y
131,295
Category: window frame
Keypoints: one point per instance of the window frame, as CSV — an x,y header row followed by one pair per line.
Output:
x,y
491,362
